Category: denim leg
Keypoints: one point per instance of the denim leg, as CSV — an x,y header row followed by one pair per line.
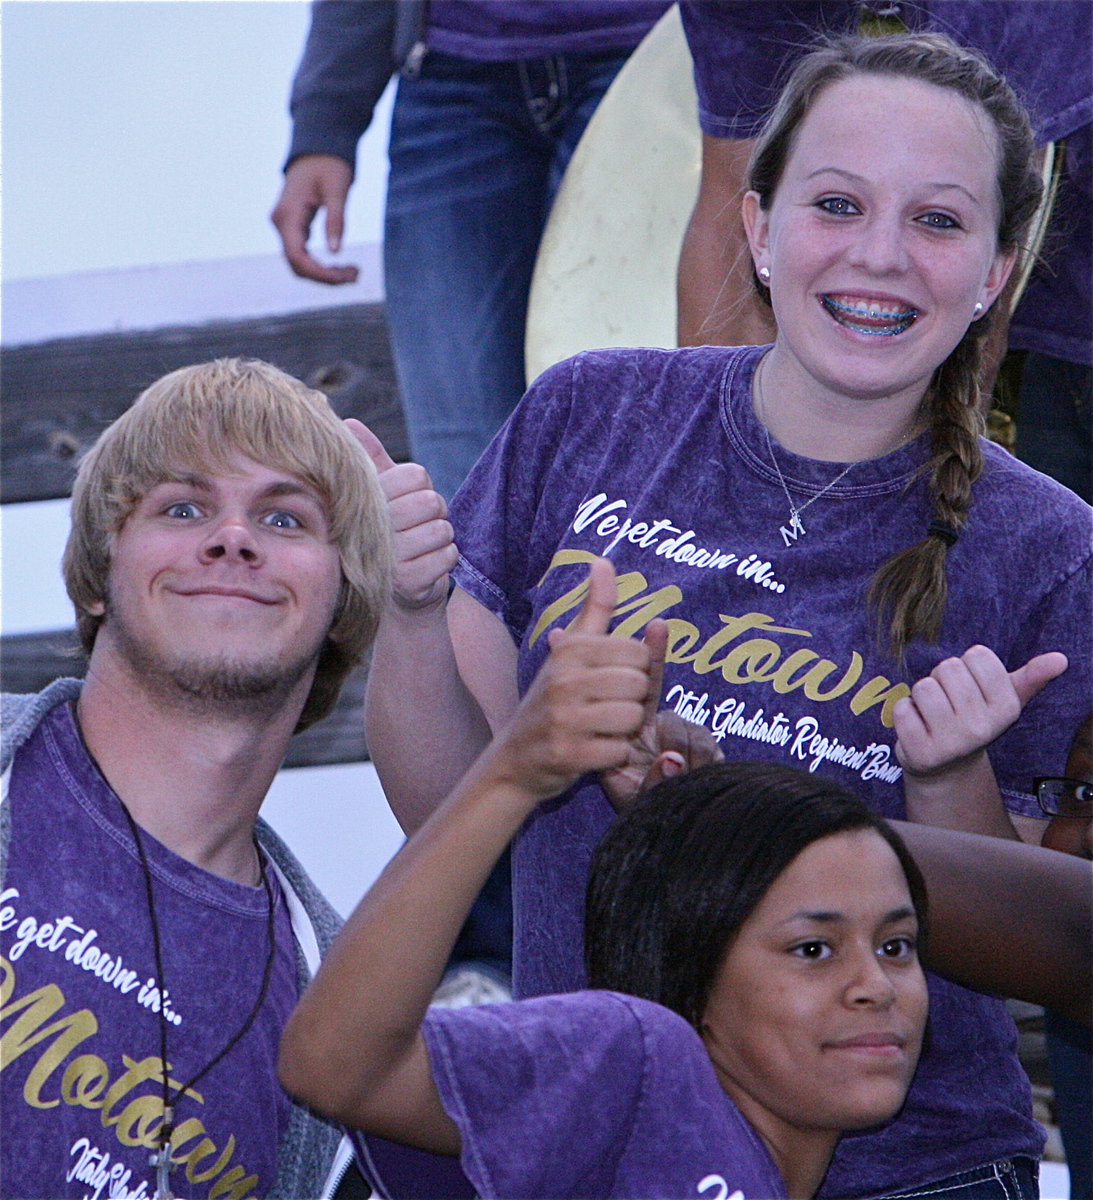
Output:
x,y
1070,1056
1009,1179
477,151
464,215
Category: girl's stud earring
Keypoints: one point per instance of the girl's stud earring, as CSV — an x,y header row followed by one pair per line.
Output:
x,y
978,308
764,275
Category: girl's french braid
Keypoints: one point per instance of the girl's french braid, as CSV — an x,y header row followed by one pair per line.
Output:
x,y
910,589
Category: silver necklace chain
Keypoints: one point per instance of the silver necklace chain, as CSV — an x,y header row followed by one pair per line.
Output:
x,y
796,527
794,511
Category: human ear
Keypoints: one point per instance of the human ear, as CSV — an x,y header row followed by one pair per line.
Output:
x,y
997,277
757,227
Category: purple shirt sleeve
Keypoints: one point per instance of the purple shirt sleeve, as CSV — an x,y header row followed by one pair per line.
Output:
x,y
592,1094
506,528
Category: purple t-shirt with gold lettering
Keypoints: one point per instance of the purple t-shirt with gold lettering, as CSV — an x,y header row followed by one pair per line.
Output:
x,y
80,1093
656,459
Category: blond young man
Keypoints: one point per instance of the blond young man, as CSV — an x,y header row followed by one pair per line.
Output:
x,y
228,561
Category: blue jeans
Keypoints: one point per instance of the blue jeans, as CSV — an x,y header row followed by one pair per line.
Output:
x,y
477,152
1070,1055
1010,1179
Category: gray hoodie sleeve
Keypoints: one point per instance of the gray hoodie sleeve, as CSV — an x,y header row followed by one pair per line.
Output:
x,y
349,56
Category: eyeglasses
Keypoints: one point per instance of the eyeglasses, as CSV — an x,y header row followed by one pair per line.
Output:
x,y
1065,797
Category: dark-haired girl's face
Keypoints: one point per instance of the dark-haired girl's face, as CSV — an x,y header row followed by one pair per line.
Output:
x,y
1072,831
815,1020
881,237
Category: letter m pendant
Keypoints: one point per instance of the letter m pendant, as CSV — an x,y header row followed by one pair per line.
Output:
x,y
795,530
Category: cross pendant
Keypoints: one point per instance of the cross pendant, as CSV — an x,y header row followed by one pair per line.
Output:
x,y
162,1160
162,1164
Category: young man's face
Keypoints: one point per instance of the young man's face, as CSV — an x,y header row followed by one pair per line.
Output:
x,y
223,586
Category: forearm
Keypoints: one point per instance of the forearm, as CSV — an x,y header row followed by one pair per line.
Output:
x,y
354,1047
964,798
356,1034
1007,917
425,719
423,727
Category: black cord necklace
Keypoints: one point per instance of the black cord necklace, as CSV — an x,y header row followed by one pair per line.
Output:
x,y
161,1160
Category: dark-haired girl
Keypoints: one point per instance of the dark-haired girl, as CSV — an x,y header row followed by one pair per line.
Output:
x,y
796,911
758,929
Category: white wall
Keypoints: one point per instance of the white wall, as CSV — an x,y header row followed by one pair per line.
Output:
x,y
142,143
144,132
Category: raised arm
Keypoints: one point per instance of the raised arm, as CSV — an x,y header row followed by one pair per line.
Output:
x,y
1008,918
354,1047
944,729
424,726
443,677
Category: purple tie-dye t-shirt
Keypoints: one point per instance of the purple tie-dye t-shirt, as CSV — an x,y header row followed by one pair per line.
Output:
x,y
656,460
503,30
80,1094
591,1094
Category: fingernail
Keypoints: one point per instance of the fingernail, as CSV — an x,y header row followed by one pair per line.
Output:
x,y
672,764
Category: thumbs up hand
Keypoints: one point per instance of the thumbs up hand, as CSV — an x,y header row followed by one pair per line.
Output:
x,y
963,705
587,702
423,540
594,707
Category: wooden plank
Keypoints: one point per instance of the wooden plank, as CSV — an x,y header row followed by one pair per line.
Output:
x,y
338,738
29,661
59,395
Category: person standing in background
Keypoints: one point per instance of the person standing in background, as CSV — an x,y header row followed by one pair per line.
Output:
x,y
493,96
